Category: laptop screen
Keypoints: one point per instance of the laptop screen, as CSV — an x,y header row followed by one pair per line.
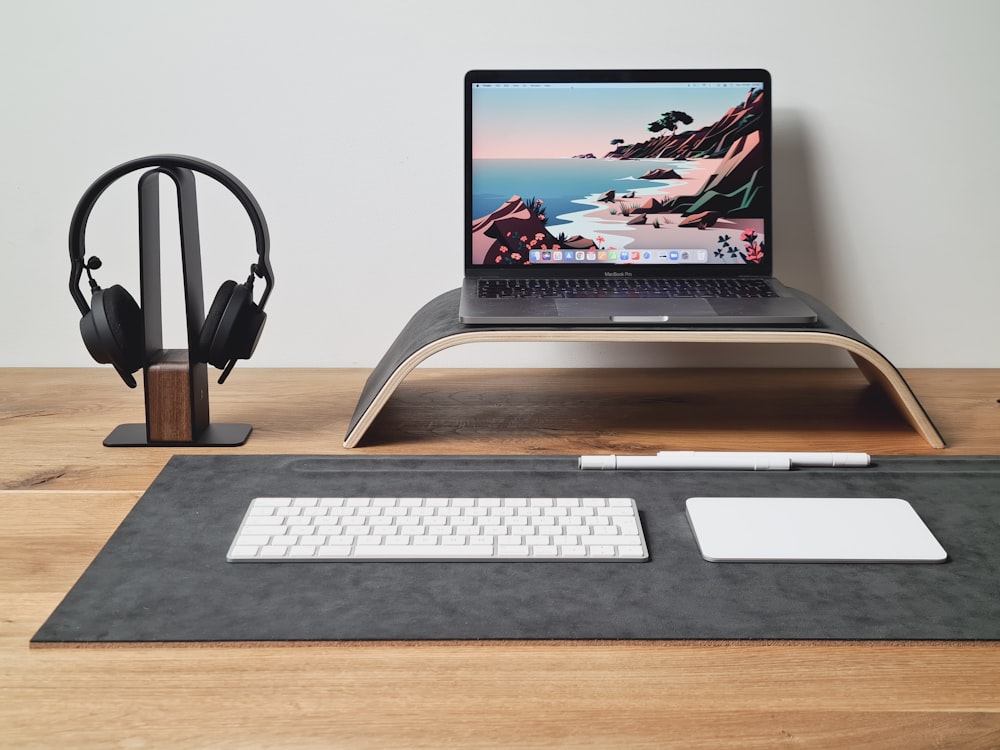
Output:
x,y
657,172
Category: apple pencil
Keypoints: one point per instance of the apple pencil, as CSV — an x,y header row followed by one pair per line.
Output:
x,y
835,460
745,462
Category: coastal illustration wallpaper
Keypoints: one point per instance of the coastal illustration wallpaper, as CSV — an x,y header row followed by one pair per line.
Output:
x,y
618,173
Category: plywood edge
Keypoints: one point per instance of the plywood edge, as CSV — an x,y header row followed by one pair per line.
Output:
x,y
876,368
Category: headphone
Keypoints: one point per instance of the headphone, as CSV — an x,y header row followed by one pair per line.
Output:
x,y
112,325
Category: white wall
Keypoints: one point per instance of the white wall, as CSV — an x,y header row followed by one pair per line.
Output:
x,y
344,119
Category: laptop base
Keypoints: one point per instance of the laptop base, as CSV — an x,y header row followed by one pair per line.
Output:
x,y
786,309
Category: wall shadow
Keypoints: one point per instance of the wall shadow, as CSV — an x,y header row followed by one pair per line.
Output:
x,y
801,244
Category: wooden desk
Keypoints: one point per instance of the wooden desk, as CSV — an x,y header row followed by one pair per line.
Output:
x,y
62,494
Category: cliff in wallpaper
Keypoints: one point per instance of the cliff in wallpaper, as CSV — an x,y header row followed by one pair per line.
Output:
x,y
735,189
710,142
509,234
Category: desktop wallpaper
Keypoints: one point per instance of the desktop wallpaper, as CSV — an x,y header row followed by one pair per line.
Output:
x,y
637,173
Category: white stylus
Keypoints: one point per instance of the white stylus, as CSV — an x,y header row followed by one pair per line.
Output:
x,y
745,462
835,460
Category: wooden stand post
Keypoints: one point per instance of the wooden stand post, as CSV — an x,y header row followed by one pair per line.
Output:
x,y
175,383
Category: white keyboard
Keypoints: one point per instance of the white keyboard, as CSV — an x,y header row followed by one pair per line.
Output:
x,y
532,529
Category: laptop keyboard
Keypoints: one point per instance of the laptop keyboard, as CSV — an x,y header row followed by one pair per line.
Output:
x,y
524,529
623,288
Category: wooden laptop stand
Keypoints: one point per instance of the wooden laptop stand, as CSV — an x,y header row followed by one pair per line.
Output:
x,y
436,327
175,384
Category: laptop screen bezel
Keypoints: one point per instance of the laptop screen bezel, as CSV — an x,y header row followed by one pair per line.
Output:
x,y
643,270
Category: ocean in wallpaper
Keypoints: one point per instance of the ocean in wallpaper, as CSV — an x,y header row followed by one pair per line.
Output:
x,y
565,185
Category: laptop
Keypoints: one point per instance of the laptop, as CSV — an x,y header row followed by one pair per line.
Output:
x,y
620,197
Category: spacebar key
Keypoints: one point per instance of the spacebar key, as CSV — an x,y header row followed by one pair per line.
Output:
x,y
429,552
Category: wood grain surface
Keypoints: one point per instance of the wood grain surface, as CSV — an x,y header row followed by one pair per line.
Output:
x,y
62,494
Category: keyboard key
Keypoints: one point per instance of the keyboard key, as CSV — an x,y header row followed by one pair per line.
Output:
x,y
466,552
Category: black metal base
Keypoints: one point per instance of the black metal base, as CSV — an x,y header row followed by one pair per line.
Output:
x,y
213,436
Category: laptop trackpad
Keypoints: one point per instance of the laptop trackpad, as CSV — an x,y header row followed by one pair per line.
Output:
x,y
638,308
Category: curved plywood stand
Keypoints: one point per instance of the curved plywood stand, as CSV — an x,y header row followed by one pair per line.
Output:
x,y
436,327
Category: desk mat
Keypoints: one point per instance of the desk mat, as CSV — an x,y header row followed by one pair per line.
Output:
x,y
163,576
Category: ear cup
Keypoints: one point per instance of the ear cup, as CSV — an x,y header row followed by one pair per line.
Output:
x,y
232,326
113,331
206,351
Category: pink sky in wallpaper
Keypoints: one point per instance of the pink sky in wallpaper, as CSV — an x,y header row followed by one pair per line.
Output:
x,y
533,122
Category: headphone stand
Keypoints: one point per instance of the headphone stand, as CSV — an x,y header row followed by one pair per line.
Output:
x,y
175,384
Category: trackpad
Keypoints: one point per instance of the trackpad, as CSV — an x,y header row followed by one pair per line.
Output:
x,y
617,307
811,529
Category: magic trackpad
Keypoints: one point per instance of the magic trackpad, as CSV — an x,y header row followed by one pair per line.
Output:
x,y
617,307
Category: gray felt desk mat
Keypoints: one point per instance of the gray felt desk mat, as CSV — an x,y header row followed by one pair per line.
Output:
x,y
163,574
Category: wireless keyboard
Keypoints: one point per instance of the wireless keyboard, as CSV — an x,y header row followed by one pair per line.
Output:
x,y
536,529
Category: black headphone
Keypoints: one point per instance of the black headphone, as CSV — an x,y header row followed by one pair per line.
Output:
x,y
112,326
